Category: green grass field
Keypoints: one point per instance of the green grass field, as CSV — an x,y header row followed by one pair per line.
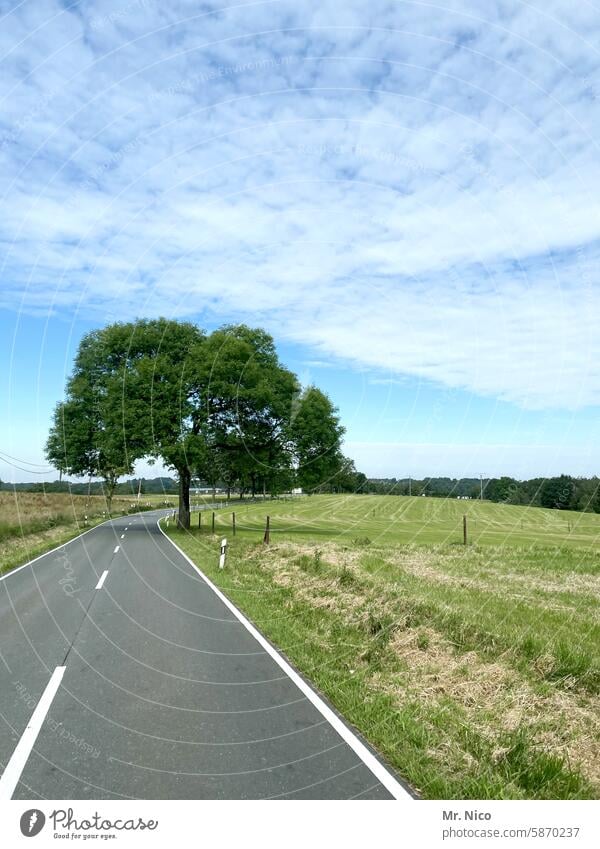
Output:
x,y
397,519
475,670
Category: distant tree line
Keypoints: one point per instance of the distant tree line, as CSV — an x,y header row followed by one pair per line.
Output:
x,y
559,493
145,486
346,479
218,406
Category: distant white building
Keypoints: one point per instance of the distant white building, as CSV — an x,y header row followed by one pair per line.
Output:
x,y
297,491
206,490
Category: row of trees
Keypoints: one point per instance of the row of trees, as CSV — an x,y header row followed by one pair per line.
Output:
x,y
130,487
559,493
218,406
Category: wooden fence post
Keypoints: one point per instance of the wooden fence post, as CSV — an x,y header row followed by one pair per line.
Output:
x,y
233,522
465,530
267,536
200,518
213,522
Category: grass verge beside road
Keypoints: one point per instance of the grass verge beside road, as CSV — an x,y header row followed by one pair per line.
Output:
x,y
475,672
33,523
19,550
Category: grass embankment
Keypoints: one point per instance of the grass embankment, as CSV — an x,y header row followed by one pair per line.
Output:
x,y
475,671
32,523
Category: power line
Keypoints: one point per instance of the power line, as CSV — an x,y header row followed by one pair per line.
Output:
x,y
23,469
6,456
41,471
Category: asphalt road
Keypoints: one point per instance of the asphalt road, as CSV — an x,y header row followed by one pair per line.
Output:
x,y
123,674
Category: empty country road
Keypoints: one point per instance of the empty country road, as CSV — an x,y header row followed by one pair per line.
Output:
x,y
125,675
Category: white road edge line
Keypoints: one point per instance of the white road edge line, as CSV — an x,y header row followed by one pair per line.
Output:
x,y
102,579
117,547
14,768
370,761
122,536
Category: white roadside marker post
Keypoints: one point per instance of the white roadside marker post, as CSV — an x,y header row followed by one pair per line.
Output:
x,y
223,552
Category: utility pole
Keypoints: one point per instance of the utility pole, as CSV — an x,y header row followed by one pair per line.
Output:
x,y
409,485
481,497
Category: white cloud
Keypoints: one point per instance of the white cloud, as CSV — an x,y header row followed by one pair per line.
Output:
x,y
401,189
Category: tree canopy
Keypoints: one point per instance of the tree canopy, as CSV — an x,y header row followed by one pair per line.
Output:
x,y
220,406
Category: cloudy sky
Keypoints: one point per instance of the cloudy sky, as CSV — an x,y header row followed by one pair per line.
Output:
x,y
406,194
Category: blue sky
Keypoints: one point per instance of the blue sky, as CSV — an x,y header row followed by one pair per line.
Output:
x,y
407,195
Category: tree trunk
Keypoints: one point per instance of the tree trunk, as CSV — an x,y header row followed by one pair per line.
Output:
x,y
109,488
183,519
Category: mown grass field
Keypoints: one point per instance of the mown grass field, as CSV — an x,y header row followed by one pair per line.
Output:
x,y
393,519
474,670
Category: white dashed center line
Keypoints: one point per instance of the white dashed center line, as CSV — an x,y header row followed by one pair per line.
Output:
x,y
102,579
12,773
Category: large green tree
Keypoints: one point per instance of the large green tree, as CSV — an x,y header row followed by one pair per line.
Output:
x,y
137,382
248,404
503,489
347,479
162,393
316,435
558,493
82,440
